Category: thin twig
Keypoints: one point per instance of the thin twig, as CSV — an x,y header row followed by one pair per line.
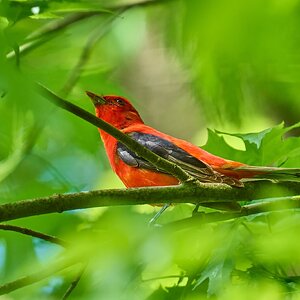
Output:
x,y
132,4
38,276
263,206
60,24
46,32
36,234
99,33
75,282
65,183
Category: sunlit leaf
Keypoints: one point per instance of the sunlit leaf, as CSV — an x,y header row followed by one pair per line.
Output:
x,y
220,266
268,148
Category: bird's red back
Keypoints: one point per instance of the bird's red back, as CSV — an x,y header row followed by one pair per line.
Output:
x,y
119,112
135,172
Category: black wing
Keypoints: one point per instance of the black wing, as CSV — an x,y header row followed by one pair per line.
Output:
x,y
172,153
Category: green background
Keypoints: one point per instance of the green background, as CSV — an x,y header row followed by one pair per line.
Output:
x,y
232,66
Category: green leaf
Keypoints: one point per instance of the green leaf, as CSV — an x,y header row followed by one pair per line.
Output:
x,y
242,56
221,264
268,147
249,138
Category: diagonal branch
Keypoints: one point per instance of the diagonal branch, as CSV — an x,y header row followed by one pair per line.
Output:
x,y
39,275
87,50
46,32
140,150
43,34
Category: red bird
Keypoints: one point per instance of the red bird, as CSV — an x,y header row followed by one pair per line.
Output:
x,y
135,171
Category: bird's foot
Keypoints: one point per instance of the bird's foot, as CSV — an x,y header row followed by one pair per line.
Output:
x,y
195,211
153,220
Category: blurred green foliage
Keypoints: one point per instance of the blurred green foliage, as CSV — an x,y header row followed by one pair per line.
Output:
x,y
243,55
228,64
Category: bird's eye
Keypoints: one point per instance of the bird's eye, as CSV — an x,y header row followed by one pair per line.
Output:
x,y
120,102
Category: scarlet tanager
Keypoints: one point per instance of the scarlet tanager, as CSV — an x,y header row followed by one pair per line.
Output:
x,y
135,171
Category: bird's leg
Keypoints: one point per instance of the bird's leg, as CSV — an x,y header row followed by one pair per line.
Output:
x,y
195,211
158,214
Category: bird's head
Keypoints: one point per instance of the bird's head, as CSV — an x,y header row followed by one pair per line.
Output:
x,y
115,110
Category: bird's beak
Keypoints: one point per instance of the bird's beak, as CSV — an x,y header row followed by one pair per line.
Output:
x,y
97,100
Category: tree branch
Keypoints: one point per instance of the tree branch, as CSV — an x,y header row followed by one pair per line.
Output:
x,y
275,204
204,193
140,150
36,234
264,206
46,32
37,276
